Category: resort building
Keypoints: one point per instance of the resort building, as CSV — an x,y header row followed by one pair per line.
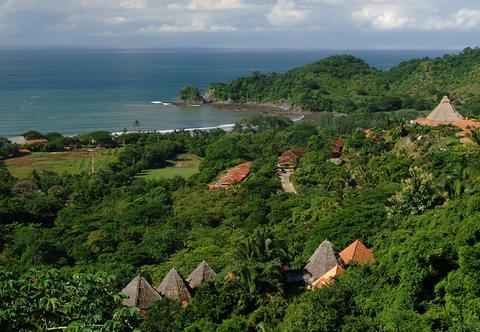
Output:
x,y
328,277
140,294
337,147
19,140
289,159
446,114
202,274
322,261
358,253
175,287
233,176
355,252
36,141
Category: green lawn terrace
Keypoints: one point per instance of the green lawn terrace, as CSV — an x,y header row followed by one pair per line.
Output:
x,y
235,175
69,162
184,165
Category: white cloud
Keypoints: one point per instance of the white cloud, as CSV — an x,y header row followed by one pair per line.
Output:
x,y
286,12
411,16
133,4
196,26
43,21
216,5
382,17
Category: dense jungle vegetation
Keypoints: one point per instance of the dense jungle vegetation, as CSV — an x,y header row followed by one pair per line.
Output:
x,y
70,243
347,84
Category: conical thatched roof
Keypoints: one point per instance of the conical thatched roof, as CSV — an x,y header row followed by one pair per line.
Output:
x,y
141,294
323,260
203,273
175,287
445,112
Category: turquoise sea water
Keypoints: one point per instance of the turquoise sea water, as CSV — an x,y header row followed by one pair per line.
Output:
x,y
80,90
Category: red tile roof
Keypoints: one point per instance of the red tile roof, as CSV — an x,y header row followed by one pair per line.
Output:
x,y
34,141
24,151
464,133
337,146
290,157
328,277
357,252
462,124
234,175
466,140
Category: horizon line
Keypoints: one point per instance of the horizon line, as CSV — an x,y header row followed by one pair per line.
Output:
x,y
363,48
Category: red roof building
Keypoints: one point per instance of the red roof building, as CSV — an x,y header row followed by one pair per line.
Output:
x,y
233,176
357,252
35,141
289,158
328,277
337,146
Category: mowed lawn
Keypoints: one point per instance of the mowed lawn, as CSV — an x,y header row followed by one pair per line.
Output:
x,y
184,165
72,162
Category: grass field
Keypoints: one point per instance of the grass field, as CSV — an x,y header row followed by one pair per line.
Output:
x,y
73,162
185,165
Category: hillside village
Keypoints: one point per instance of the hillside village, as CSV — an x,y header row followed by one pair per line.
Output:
x,y
325,264
321,269
363,222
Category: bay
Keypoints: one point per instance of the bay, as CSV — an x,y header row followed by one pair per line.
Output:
x,y
75,90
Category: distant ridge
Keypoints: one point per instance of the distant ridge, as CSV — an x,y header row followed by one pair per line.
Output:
x,y
346,84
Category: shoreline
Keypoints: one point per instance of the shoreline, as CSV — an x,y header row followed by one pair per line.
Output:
x,y
271,109
225,127
252,108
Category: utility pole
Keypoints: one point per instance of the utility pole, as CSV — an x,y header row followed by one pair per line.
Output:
x,y
93,165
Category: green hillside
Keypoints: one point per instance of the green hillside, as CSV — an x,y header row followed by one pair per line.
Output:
x,y
69,243
347,84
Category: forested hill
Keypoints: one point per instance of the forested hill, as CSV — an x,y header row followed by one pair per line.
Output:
x,y
69,243
347,84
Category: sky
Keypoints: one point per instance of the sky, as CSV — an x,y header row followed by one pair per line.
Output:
x,y
304,24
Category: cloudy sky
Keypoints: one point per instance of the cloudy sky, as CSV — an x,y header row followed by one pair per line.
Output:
x,y
324,24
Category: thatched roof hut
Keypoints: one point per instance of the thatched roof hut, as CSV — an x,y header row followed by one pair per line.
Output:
x,y
203,273
175,287
445,112
141,294
323,260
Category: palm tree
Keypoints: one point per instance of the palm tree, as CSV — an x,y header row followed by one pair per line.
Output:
x,y
260,246
259,258
458,182
136,124
475,136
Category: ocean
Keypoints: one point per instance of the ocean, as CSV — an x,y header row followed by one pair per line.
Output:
x,y
77,90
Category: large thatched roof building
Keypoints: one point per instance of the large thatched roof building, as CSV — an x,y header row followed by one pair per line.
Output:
x,y
445,112
140,294
175,287
323,259
203,273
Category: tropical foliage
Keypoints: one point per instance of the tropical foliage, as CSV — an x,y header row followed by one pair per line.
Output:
x,y
347,84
